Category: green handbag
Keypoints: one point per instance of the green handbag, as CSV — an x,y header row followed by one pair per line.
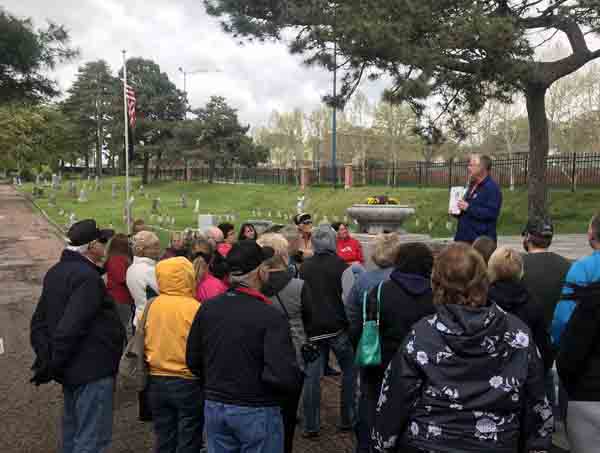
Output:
x,y
368,352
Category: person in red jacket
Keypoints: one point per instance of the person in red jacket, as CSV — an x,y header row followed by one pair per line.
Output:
x,y
116,266
348,248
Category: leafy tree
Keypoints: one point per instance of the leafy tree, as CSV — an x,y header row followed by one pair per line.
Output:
x,y
91,103
25,57
159,106
221,134
462,52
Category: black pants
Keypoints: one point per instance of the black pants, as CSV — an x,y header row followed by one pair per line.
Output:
x,y
289,412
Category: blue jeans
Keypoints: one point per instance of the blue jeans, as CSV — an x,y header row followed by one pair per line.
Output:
x,y
177,414
344,353
240,429
88,416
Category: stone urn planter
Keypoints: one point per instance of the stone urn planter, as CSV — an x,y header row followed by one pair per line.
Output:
x,y
375,219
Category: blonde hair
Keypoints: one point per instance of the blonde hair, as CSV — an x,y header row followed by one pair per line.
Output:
x,y
505,264
145,242
201,244
278,243
292,235
459,276
385,250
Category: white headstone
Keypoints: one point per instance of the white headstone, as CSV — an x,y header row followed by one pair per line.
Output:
x,y
55,181
82,196
114,190
37,179
197,207
205,221
72,188
300,204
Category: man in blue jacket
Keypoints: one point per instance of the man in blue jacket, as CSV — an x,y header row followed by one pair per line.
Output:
x,y
78,339
480,208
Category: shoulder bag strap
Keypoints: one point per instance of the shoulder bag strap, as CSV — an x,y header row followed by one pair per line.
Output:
x,y
287,315
379,301
146,310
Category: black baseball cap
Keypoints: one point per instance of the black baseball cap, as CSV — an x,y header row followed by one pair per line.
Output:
x,y
245,256
539,227
301,218
86,231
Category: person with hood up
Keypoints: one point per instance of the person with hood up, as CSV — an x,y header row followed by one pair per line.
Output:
x,y
469,378
327,326
505,270
175,394
293,298
404,299
348,248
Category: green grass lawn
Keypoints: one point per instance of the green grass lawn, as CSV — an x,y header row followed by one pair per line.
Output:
x,y
570,211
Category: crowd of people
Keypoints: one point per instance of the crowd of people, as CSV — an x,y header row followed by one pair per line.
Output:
x,y
238,330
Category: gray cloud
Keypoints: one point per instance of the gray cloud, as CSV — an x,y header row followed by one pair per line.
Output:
x,y
256,78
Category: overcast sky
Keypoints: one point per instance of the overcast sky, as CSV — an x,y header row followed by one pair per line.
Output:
x,y
255,78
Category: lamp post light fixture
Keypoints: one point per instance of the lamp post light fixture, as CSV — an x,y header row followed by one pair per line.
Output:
x,y
187,73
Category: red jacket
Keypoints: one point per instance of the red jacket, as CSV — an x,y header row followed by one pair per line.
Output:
x,y
116,284
350,250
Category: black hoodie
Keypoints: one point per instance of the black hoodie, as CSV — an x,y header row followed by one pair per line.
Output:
x,y
465,380
512,296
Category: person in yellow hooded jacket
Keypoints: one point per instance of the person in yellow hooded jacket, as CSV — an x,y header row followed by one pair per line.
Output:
x,y
176,395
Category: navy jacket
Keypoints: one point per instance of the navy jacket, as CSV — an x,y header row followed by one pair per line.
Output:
x,y
483,212
76,332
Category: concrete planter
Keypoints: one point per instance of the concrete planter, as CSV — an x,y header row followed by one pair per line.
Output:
x,y
375,219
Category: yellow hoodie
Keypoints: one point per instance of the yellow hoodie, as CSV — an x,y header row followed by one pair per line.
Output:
x,y
170,318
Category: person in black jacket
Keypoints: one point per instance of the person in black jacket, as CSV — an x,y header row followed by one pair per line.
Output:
x,y
505,269
240,346
578,364
328,326
467,379
78,339
403,300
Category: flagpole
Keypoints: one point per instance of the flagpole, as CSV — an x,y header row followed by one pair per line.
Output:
x,y
126,129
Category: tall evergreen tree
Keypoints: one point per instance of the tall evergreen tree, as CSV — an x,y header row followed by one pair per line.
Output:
x,y
25,56
463,52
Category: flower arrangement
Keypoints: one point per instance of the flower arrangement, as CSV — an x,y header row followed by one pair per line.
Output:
x,y
381,199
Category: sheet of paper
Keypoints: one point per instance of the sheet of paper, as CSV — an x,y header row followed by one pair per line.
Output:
x,y
457,193
1,346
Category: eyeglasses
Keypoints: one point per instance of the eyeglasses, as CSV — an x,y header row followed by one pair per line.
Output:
x,y
307,222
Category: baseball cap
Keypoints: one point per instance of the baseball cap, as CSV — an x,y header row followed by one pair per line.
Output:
x,y
539,227
86,231
301,218
245,256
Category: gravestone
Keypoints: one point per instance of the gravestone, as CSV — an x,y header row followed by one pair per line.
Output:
x,y
300,205
61,212
72,189
183,201
82,196
55,181
156,205
37,179
52,199
197,207
141,189
97,184
114,190
205,221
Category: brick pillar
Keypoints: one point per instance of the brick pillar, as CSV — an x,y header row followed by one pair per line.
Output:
x,y
304,178
347,176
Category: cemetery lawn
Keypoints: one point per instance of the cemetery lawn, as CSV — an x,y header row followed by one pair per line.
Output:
x,y
570,211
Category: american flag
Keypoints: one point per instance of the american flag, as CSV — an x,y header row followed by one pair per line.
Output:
x,y
130,94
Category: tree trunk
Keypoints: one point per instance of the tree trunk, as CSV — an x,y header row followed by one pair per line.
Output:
x,y
146,169
211,171
157,163
99,141
539,145
87,164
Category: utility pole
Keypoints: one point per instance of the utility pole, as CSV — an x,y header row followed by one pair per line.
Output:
x,y
334,119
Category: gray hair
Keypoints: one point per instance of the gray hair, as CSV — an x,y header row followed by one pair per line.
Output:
x,y
324,239
385,250
245,279
81,249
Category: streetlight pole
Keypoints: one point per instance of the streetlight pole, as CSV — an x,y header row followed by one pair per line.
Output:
x,y
186,73
334,119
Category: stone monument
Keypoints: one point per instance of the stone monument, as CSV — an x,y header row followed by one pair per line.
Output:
x,y
82,196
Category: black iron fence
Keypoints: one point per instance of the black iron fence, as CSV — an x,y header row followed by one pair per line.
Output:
x,y
563,171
